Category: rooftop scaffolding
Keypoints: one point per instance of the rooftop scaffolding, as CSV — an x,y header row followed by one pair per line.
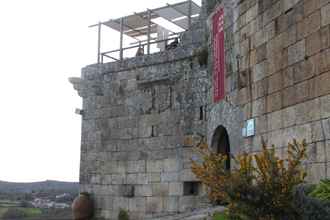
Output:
x,y
153,26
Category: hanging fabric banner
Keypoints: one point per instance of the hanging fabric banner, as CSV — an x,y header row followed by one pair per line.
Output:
x,y
218,55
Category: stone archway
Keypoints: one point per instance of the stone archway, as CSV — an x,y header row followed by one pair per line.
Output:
x,y
220,143
232,120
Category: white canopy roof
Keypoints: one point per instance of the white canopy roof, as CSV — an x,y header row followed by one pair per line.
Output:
x,y
136,25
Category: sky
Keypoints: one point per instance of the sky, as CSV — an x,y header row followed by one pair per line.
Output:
x,y
42,44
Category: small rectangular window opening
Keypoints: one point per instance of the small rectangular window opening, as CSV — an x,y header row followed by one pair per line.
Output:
x,y
191,188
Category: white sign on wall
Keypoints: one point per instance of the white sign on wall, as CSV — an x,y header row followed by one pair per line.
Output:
x,y
249,128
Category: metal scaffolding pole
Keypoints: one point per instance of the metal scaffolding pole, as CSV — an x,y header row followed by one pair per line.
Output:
x,y
99,43
149,27
121,38
189,13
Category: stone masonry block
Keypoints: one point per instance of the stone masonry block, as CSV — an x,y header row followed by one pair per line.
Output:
x,y
187,175
274,138
320,152
175,189
275,82
297,132
261,124
325,106
154,204
274,102
186,203
326,129
275,120
287,4
310,6
325,61
325,37
312,23
260,71
169,176
120,203
136,166
287,77
308,111
154,177
302,92
259,88
142,178
259,107
143,190
171,165
296,52
289,117
155,166
316,172
131,179
137,204
313,43
171,203
160,189
325,15
317,131
118,179
327,150
323,84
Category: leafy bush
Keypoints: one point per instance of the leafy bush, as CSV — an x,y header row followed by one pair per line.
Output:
x,y
310,208
322,191
256,192
219,216
123,215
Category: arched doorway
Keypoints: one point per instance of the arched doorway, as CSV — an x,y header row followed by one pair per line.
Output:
x,y
220,143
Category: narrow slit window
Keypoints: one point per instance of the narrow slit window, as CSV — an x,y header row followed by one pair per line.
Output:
x,y
201,113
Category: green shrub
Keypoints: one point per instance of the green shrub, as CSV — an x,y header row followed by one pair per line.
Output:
x,y
219,216
259,192
321,191
123,215
310,208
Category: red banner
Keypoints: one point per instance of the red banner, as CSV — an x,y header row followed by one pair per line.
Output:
x,y
218,55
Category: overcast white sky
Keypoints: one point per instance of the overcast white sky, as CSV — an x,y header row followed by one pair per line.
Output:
x,y
42,43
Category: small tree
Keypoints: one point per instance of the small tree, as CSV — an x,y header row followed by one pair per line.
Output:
x,y
258,192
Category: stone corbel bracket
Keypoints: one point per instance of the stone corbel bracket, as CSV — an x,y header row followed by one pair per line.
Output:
x,y
78,84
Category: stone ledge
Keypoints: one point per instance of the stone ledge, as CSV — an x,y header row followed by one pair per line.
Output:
x,y
199,214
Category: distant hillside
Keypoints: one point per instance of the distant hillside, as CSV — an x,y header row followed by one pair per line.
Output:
x,y
49,185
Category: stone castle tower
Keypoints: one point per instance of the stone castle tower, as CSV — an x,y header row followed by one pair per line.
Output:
x,y
142,116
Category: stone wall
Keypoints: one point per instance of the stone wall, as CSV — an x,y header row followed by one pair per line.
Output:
x,y
278,72
142,116
136,116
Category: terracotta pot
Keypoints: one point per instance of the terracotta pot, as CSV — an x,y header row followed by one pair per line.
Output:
x,y
82,207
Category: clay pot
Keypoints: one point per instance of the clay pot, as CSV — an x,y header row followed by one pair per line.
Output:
x,y
82,207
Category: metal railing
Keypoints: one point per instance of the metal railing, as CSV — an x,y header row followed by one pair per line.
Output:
x,y
109,54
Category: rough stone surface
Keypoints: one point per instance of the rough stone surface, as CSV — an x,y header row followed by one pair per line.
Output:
x,y
142,116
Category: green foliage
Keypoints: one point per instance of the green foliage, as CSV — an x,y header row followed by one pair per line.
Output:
x,y
310,208
202,55
322,190
123,215
261,191
13,213
219,216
